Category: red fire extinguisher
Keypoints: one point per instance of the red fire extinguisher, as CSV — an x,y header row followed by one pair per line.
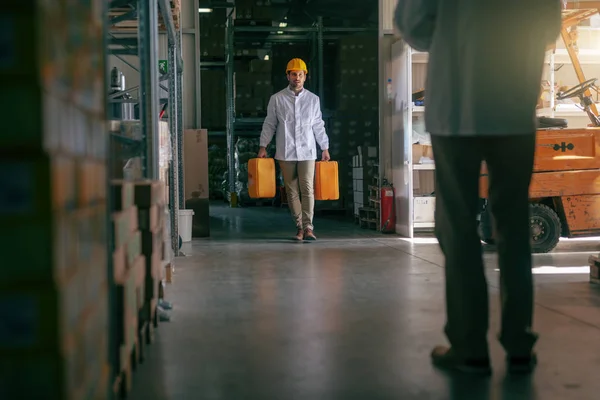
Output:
x,y
388,211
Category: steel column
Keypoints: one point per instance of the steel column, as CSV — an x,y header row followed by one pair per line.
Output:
x,y
112,326
230,110
148,50
173,164
180,155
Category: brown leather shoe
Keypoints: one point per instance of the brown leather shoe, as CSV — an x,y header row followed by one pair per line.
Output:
x,y
299,235
309,235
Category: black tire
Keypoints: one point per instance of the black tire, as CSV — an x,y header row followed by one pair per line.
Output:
x,y
545,228
486,230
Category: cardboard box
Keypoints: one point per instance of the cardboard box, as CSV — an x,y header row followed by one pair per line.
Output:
x,y
41,317
420,150
120,265
133,249
195,162
424,209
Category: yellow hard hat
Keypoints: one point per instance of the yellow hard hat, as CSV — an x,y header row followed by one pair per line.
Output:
x,y
296,64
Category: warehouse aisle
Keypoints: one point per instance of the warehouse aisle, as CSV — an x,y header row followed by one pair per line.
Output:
x,y
352,316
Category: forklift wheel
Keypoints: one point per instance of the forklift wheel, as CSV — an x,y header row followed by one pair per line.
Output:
x,y
545,228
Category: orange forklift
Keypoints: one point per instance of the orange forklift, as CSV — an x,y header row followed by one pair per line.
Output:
x,y
565,186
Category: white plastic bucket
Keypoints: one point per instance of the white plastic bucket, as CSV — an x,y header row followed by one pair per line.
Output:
x,y
185,225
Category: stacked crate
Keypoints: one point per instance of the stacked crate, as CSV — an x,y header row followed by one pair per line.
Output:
x,y
214,104
150,203
257,12
53,222
364,177
212,34
129,272
357,119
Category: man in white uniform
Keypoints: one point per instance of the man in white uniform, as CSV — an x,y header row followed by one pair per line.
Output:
x,y
294,115
483,81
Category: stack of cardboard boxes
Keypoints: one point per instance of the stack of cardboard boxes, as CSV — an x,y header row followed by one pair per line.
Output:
x,y
129,274
53,222
253,88
212,34
150,203
364,171
137,225
356,122
214,104
257,11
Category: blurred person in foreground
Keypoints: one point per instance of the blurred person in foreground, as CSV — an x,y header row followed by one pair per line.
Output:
x,y
484,73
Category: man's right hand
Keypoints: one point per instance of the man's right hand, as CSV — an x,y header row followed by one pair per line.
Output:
x,y
262,152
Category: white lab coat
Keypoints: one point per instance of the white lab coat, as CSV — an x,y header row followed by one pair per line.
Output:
x,y
298,123
485,61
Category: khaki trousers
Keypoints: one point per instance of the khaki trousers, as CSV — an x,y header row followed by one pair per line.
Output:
x,y
299,177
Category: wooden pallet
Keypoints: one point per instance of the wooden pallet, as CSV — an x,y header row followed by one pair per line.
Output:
x,y
594,269
369,218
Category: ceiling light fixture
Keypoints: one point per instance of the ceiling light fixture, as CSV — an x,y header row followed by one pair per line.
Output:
x,y
204,10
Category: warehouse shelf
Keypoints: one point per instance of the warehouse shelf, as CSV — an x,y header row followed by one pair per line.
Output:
x,y
132,28
409,75
424,167
234,35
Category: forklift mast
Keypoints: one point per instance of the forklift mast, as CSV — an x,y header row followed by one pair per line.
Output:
x,y
574,13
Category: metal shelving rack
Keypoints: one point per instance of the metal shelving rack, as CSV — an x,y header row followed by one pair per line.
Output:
x,y
317,33
140,39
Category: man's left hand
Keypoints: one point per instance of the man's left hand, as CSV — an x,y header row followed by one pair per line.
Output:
x,y
325,156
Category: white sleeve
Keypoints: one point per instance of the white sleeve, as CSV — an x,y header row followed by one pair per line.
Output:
x,y
270,125
319,126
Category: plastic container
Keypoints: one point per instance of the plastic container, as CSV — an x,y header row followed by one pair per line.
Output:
x,y
327,186
185,225
261,178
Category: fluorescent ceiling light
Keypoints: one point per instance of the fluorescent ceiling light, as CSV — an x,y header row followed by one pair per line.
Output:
x,y
267,57
280,32
205,10
282,24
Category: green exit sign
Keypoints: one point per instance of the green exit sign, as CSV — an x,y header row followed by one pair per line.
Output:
x,y
163,66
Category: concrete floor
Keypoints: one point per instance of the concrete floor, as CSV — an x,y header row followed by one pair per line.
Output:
x,y
352,316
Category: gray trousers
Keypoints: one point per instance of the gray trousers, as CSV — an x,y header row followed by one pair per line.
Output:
x,y
510,162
